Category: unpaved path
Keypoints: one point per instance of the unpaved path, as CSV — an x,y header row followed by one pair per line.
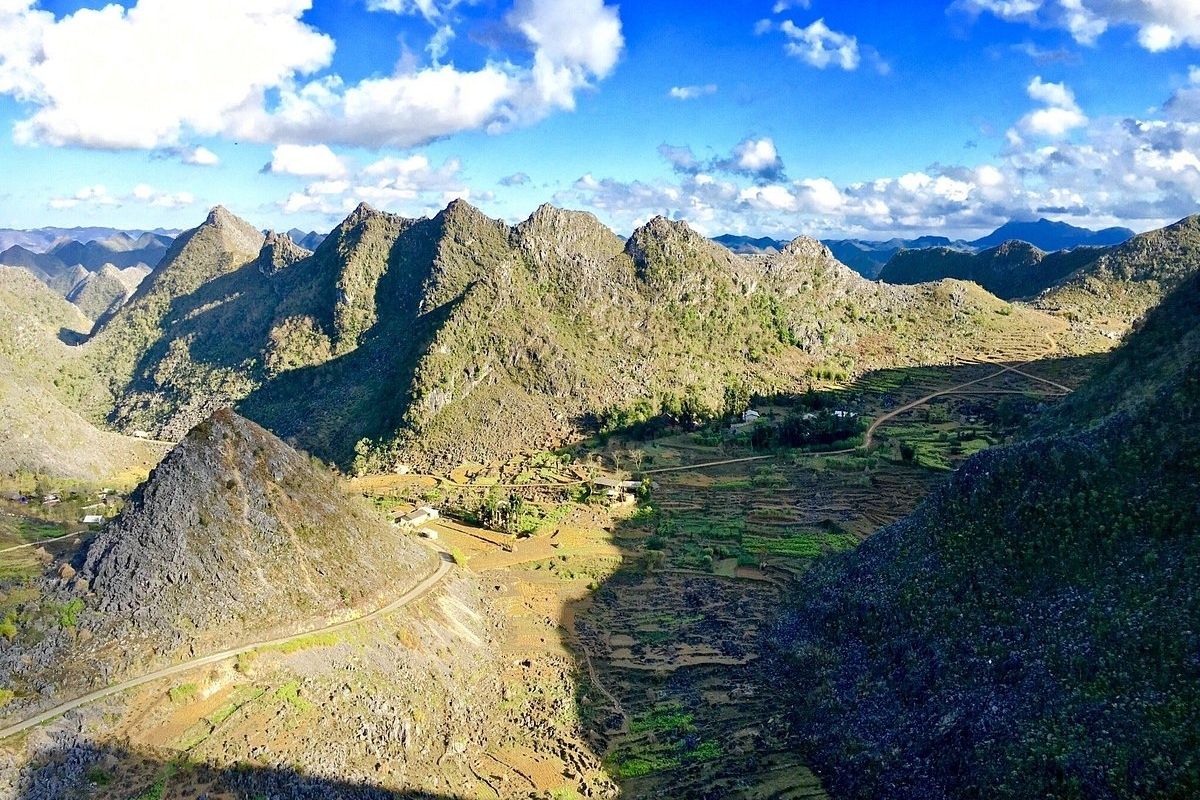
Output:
x,y
417,592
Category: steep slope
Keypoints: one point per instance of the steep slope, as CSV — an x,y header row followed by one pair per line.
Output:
x,y
1030,631
125,339
43,265
235,534
1011,270
460,336
41,383
101,293
1050,236
1108,295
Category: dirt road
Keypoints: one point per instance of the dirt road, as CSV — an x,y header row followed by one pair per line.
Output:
x,y
417,592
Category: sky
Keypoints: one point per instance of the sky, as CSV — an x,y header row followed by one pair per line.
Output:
x,y
867,119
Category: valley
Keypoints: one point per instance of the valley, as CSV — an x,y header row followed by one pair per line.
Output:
x,y
630,634
453,508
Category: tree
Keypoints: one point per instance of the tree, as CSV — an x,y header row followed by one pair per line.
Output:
x,y
907,451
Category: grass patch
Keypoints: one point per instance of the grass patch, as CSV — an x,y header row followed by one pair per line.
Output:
x,y
183,692
290,694
670,717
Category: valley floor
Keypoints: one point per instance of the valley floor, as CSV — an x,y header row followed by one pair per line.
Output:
x,y
633,637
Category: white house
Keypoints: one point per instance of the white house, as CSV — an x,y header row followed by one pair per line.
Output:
x,y
750,415
93,519
419,516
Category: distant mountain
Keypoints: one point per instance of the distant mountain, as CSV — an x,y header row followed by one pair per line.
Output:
x,y
867,258
1030,631
44,387
459,337
1011,270
105,290
94,275
309,241
40,240
747,246
1047,235
42,265
120,250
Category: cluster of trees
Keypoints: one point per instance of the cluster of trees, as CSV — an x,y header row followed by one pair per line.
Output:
x,y
646,418
501,514
802,428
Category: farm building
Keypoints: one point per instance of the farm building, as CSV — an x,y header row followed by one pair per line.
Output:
x,y
93,519
419,516
750,415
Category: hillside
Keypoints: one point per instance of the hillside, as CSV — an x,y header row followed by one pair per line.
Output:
x,y
235,537
42,382
462,337
1108,295
1013,269
102,292
1030,631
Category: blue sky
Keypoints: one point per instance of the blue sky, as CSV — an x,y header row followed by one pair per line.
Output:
x,y
817,117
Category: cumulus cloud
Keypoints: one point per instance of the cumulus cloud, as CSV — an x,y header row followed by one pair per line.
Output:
x,y
201,157
1141,172
755,157
307,161
253,70
98,196
1161,24
692,92
819,46
1059,115
233,51
410,185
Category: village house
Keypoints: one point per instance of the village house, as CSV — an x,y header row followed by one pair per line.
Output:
x,y
418,516
93,519
750,415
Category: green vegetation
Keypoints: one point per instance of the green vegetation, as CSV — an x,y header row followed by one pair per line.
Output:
x,y
182,693
290,694
67,614
1055,583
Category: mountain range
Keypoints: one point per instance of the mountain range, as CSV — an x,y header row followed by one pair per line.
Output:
x,y
868,258
460,337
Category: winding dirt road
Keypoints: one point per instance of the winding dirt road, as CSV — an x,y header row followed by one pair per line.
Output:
x,y
417,592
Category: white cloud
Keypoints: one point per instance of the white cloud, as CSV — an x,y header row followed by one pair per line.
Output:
x,y
237,55
201,157
410,185
757,156
98,196
786,5
117,78
1059,115
1161,24
820,46
1138,172
692,92
308,161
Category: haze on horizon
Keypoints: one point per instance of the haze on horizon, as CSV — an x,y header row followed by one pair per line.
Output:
x,y
946,117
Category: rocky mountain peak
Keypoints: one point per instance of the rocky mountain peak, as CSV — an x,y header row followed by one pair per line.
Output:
x,y
236,533
279,252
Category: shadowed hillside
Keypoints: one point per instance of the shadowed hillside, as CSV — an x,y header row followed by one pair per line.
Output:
x,y
1030,630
